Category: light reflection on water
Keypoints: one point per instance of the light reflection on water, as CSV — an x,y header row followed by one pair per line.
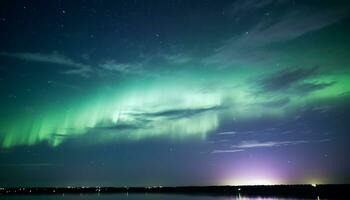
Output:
x,y
137,197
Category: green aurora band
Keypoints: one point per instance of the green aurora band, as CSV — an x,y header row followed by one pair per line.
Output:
x,y
164,108
187,99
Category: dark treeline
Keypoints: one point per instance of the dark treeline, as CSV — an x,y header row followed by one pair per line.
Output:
x,y
305,191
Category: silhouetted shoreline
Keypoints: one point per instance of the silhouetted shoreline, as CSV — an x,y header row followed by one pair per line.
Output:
x,y
305,191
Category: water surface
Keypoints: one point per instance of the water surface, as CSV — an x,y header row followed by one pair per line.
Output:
x,y
138,197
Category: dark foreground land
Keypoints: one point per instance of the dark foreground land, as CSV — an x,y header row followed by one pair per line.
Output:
x,y
298,191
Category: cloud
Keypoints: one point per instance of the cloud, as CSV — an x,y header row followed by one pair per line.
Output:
x,y
150,65
292,80
243,6
227,151
227,133
286,78
250,45
113,66
177,59
249,10
256,144
311,87
121,127
180,113
53,58
251,144
294,24
275,103
106,67
84,71
142,120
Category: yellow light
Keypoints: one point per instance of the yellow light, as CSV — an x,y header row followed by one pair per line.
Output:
x,y
313,185
238,182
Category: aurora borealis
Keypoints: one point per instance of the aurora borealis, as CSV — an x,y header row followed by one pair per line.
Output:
x,y
174,92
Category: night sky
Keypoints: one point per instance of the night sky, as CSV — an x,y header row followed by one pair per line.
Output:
x,y
140,93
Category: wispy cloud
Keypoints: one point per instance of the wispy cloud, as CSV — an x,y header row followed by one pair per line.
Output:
x,y
294,24
275,103
181,113
256,144
114,66
241,6
251,144
249,46
293,80
177,59
227,151
150,65
227,133
76,68
310,87
286,78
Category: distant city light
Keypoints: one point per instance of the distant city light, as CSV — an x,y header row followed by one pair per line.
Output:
x,y
249,181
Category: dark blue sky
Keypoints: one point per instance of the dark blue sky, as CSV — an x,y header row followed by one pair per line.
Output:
x,y
140,93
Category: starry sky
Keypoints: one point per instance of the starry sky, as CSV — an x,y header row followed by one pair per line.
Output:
x,y
176,92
